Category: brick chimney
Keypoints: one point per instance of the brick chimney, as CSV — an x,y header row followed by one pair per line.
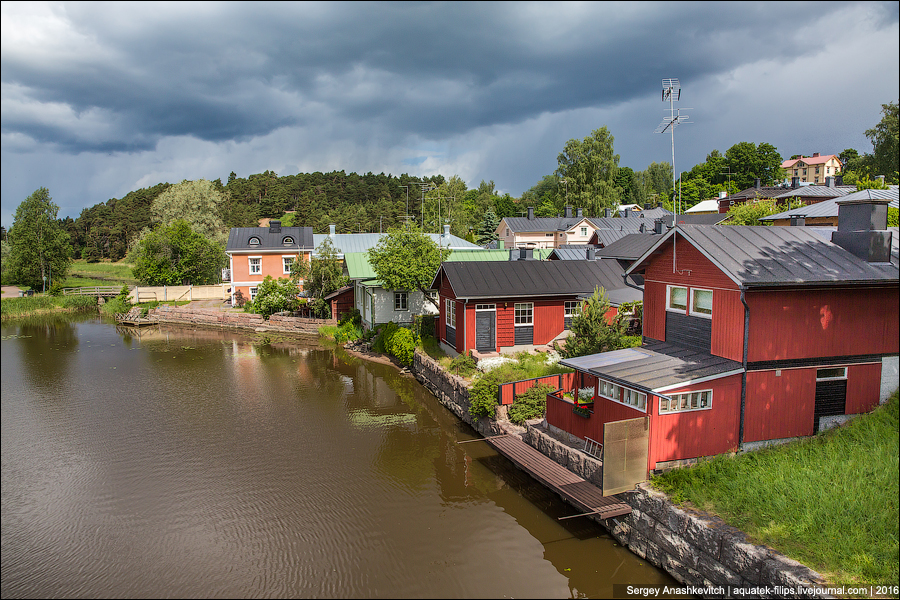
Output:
x,y
274,226
862,229
530,213
568,212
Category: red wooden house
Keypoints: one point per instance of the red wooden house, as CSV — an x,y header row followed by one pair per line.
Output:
x,y
751,334
518,304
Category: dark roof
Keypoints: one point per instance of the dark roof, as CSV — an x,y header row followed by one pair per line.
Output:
x,y
527,279
655,367
760,192
521,224
572,252
630,247
707,219
818,191
649,213
775,256
239,238
829,208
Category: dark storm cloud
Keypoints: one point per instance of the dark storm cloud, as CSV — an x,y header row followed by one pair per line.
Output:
x,y
234,71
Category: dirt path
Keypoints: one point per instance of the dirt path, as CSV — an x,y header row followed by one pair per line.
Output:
x,y
10,291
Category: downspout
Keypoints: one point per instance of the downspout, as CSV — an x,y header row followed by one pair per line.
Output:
x,y
637,287
744,364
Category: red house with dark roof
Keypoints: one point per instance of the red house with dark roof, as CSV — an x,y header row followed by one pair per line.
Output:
x,y
751,334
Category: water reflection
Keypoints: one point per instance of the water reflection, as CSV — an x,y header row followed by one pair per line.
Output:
x,y
203,463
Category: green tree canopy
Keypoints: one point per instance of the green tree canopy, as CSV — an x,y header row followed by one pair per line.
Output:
x,y
589,166
591,333
275,295
198,202
407,259
323,274
487,230
747,161
175,254
40,251
886,142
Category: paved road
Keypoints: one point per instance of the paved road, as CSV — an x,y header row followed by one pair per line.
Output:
x,y
10,291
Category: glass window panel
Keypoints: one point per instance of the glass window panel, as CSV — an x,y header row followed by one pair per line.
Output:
x,y
702,302
678,298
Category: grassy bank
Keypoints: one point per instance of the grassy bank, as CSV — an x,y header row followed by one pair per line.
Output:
x,y
13,308
85,274
830,502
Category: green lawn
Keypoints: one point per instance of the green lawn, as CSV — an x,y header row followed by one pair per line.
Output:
x,y
830,502
83,274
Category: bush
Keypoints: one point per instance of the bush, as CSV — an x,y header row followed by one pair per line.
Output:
x,y
483,395
239,300
56,289
402,345
119,304
464,365
347,332
275,295
531,404
352,316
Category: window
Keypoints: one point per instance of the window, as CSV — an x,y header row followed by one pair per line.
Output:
x,y
828,170
634,398
548,235
507,232
254,241
524,314
609,390
256,266
485,307
795,173
804,172
831,374
450,313
701,302
816,180
678,298
400,301
573,308
817,170
253,294
584,231
684,402
287,241
287,260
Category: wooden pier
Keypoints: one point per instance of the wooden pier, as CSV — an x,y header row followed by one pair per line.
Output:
x,y
581,494
133,318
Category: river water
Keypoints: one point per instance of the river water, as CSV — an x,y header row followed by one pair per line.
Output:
x,y
202,463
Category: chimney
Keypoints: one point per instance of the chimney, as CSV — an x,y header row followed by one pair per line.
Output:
x,y
643,228
659,205
862,229
446,231
274,226
658,226
647,206
513,254
568,212
590,253
607,213
798,220
879,179
331,230
815,154
723,194
829,182
530,213
838,180
757,183
669,221
627,213
795,183
579,212
527,254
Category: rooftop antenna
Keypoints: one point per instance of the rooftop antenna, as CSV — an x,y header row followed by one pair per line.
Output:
x,y
671,92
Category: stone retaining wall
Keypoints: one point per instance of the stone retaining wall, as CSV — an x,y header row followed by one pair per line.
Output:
x,y
279,323
694,547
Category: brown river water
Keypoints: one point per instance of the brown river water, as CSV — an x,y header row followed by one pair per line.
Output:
x,y
193,463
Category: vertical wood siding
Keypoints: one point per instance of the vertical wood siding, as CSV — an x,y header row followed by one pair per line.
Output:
x,y
559,414
693,434
548,320
694,269
505,325
823,322
728,325
863,387
469,329
655,310
779,406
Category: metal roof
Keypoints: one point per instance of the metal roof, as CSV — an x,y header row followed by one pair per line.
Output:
x,y
346,243
523,224
531,278
775,256
630,247
705,206
656,367
239,239
829,208
572,253
358,266
818,191
704,219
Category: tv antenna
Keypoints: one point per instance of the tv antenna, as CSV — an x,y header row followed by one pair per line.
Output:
x,y
671,92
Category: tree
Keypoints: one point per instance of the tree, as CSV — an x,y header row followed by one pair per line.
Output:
x,y
197,202
746,162
591,332
407,259
275,295
487,230
40,250
750,213
174,255
323,274
589,166
886,141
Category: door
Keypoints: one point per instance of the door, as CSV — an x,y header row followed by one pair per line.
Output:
x,y
485,327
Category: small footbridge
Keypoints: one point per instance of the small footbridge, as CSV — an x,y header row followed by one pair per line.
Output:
x,y
107,291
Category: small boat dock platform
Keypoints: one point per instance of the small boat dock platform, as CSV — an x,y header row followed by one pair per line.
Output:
x,y
576,491
133,318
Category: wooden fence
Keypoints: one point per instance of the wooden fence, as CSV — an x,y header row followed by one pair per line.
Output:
x,y
507,392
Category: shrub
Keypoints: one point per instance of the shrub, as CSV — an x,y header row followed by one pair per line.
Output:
x,y
119,304
464,365
239,300
483,395
347,332
531,404
275,295
352,316
402,344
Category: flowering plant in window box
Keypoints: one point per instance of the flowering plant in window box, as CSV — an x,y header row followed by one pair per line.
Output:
x,y
582,411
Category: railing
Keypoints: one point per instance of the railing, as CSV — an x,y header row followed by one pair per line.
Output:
x,y
97,290
507,392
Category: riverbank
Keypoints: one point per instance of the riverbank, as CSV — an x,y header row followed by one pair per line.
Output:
x,y
16,308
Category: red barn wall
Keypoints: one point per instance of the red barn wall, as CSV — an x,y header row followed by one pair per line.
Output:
x,y
655,310
779,406
819,323
469,310
548,320
693,434
863,387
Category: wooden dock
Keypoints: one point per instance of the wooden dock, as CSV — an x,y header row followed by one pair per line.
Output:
x,y
581,494
133,318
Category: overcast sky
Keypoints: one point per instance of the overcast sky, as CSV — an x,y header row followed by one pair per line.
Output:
x,y
99,99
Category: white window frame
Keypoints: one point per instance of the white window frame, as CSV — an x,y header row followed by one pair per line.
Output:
x,y
507,232
485,307
253,241
401,301
253,292
572,308
530,314
687,298
584,231
287,241
450,313
286,261
686,402
634,399
250,260
694,310
831,377
609,390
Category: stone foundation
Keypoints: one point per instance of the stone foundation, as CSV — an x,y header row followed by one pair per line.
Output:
x,y
278,323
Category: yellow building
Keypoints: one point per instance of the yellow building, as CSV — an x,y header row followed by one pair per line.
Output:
x,y
812,169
